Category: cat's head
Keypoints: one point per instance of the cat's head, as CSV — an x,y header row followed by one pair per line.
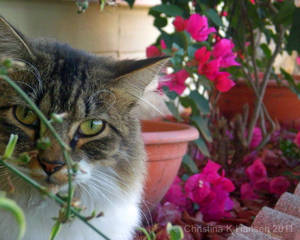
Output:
x,y
97,97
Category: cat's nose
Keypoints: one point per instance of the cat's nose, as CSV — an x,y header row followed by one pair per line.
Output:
x,y
50,167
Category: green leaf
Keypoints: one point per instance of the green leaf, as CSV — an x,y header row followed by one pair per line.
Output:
x,y
167,38
265,48
168,9
180,39
292,85
11,206
285,14
200,101
293,39
175,232
202,125
173,109
9,150
214,17
55,230
189,164
202,146
170,94
130,2
43,143
160,22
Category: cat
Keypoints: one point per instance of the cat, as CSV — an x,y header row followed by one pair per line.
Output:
x,y
98,98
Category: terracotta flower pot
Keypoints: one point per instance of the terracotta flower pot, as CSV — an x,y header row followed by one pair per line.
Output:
x,y
166,143
282,104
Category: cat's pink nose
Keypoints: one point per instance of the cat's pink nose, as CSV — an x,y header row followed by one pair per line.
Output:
x,y
50,167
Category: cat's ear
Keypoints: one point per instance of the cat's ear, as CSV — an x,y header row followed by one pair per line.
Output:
x,y
12,43
134,76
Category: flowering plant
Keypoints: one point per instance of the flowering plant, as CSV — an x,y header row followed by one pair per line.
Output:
x,y
213,44
199,65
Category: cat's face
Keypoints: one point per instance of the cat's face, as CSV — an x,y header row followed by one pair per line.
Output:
x,y
97,98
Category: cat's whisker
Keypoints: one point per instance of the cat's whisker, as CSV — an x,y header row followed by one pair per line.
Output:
x,y
98,189
110,183
33,70
115,178
148,214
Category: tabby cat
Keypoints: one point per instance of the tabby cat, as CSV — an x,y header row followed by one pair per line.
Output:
x,y
98,98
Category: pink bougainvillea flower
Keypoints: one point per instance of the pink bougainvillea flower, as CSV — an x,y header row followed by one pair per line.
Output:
x,y
167,212
256,171
152,51
222,82
175,194
202,55
179,23
297,139
210,191
262,185
252,1
209,69
175,81
223,51
256,138
224,14
225,184
247,192
163,44
279,185
197,26
197,188
217,207
298,60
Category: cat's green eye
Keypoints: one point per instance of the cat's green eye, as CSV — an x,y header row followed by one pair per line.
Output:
x,y
25,115
91,127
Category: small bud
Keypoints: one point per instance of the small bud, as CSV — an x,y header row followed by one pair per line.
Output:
x,y
24,158
59,118
43,143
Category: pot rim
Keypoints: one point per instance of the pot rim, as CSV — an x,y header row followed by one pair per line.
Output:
x,y
181,133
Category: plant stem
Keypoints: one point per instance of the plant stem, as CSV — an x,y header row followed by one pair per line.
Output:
x,y
50,195
264,83
42,117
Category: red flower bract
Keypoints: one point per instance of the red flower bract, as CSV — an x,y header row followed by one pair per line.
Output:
x,y
209,69
223,51
297,139
175,81
256,138
222,82
279,185
152,51
197,26
179,23
247,192
256,171
202,55
210,191
175,194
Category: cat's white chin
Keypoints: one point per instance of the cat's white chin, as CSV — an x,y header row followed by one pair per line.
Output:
x,y
119,221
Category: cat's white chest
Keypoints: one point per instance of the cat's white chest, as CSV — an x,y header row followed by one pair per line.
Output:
x,y
118,223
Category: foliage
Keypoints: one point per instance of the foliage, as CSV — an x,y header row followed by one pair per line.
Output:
x,y
208,36
211,203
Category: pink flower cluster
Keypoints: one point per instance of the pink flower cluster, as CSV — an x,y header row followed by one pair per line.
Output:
x,y
297,139
261,183
209,62
208,189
